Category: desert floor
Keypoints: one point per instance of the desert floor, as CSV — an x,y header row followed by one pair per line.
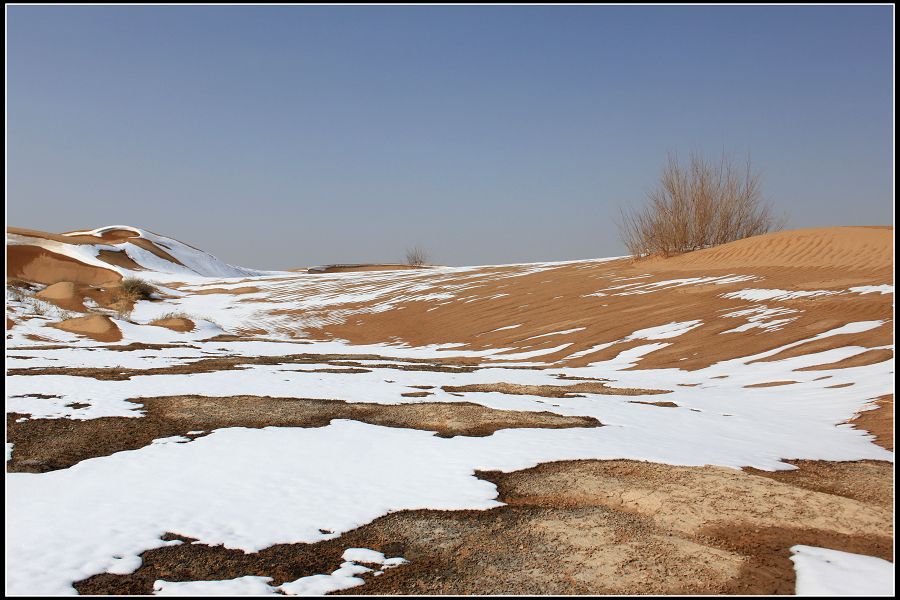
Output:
x,y
716,422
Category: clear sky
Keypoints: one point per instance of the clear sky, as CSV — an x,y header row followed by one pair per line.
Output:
x,y
279,137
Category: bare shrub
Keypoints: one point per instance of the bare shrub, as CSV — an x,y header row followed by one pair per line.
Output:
x,y
697,206
133,288
416,256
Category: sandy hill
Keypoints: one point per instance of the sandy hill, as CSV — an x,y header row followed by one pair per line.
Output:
x,y
107,254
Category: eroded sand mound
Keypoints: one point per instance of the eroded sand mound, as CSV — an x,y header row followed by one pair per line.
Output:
x,y
96,327
175,324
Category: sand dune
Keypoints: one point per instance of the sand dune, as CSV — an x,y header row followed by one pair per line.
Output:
x,y
107,254
857,249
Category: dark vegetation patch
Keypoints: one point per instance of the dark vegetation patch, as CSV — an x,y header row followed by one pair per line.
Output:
x,y
49,444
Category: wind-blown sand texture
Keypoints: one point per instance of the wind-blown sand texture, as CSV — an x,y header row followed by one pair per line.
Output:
x,y
684,425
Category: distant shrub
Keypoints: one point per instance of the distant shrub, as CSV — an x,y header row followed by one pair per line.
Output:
x,y
416,256
697,206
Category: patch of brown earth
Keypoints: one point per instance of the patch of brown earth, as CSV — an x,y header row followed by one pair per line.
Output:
x,y
50,444
179,324
879,421
577,527
770,384
97,327
9,323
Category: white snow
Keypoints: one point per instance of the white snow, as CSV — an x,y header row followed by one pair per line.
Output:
x,y
242,586
764,294
663,332
345,576
758,317
873,289
758,295
824,572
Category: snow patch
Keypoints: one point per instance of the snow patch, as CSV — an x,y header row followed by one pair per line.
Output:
x,y
824,572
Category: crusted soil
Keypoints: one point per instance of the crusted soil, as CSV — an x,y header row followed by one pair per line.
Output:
x,y
551,391
577,527
49,444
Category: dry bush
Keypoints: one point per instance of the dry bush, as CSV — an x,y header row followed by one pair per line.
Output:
x,y
697,206
416,256
133,288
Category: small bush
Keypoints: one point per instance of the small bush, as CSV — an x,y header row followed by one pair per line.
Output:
x,y
697,206
416,256
133,288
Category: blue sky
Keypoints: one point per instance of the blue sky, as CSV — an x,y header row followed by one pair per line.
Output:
x,y
279,137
